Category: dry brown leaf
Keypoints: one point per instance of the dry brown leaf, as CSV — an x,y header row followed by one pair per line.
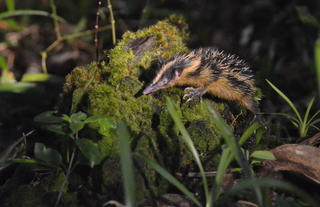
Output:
x,y
296,158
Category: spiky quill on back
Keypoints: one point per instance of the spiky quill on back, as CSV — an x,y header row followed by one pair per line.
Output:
x,y
208,70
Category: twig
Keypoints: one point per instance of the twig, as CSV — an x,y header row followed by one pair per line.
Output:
x,y
44,53
96,32
55,19
112,21
115,203
197,174
7,152
70,167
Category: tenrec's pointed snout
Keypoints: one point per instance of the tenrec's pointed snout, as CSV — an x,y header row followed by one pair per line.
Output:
x,y
150,89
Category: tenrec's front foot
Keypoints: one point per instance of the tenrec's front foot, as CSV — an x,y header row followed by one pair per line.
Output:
x,y
192,94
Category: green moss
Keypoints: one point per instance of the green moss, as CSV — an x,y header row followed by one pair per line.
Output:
x,y
167,40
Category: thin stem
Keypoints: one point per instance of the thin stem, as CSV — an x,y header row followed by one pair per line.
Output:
x,y
96,32
70,167
43,62
44,53
55,19
112,21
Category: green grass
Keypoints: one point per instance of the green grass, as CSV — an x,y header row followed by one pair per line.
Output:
x,y
300,121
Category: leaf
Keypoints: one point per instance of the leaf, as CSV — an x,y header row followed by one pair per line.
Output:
x,y
79,116
229,138
24,161
188,141
306,18
90,150
126,164
14,13
41,77
48,156
18,87
76,126
317,60
56,128
246,135
225,160
95,118
10,5
263,155
77,122
3,63
48,117
66,118
306,115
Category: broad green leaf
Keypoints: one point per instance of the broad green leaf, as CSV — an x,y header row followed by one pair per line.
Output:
x,y
76,126
56,128
48,117
106,127
263,155
66,118
41,77
18,87
126,164
90,150
77,121
95,118
79,116
48,156
164,173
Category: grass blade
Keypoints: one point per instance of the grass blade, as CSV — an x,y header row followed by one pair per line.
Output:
x,y
164,173
225,160
187,139
246,135
306,115
29,12
317,61
284,97
126,164
235,148
313,117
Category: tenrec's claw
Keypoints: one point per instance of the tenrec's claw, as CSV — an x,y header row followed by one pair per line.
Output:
x,y
189,89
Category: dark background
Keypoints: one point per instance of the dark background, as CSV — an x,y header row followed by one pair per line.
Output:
x,y
268,34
